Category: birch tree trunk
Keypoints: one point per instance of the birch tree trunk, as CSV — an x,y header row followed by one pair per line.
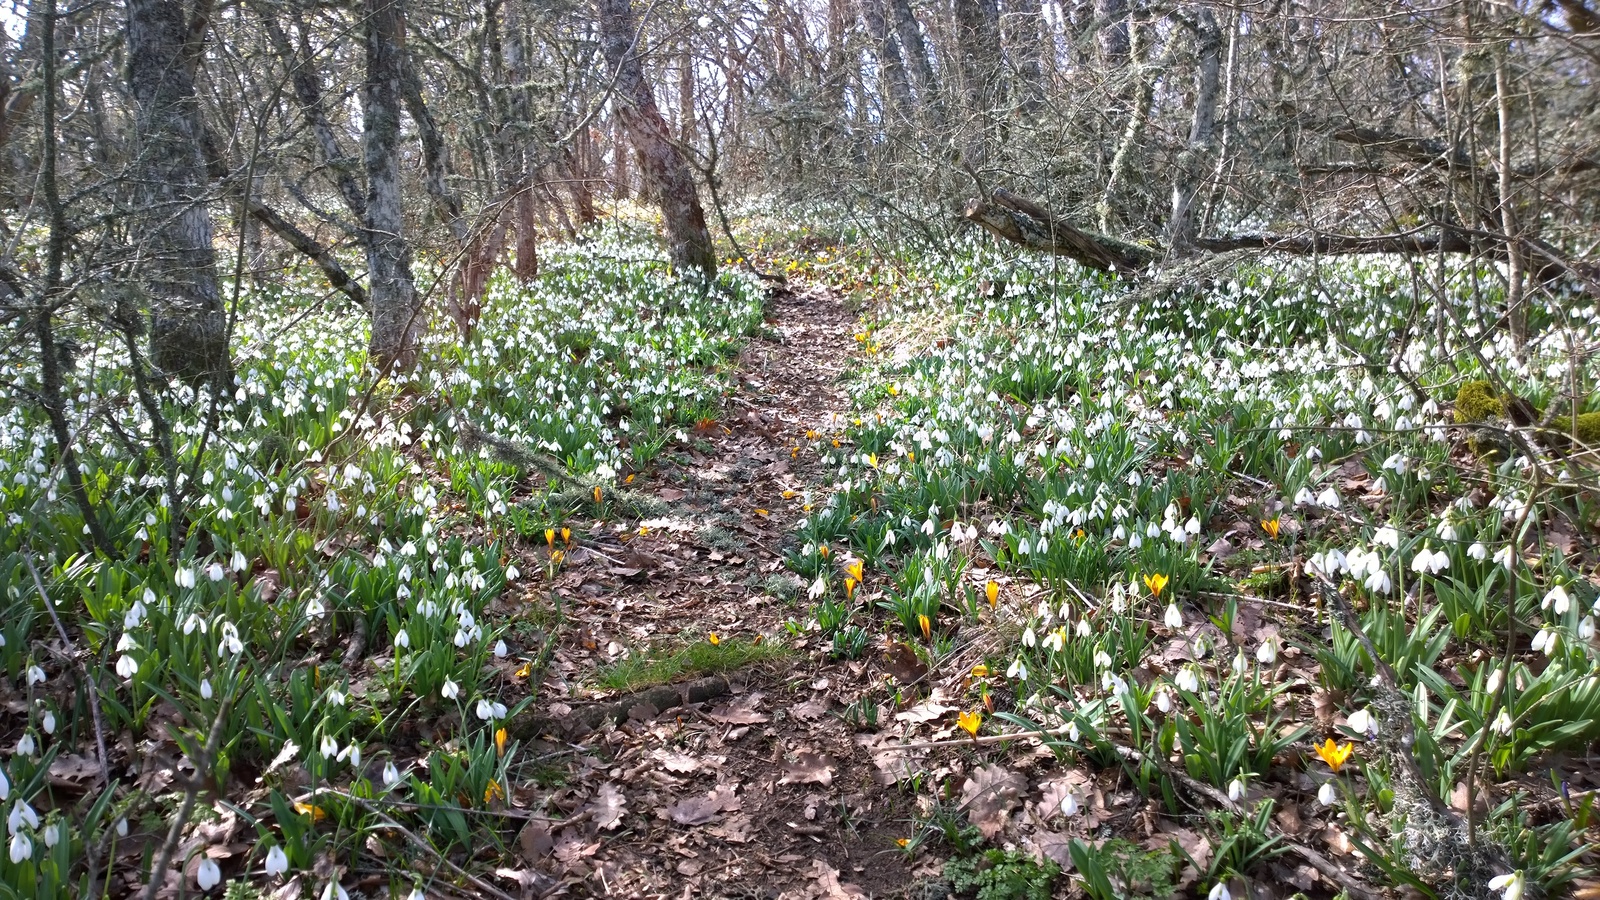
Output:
x,y
188,325
396,307
666,173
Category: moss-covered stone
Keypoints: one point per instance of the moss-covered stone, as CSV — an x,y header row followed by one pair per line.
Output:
x,y
1559,434
1476,402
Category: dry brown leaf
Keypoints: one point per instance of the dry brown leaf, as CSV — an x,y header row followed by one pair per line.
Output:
x,y
1053,846
740,712
809,767
608,806
990,795
676,762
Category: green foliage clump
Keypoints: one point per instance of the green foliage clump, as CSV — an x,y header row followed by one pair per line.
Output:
x,y
1120,868
1476,402
1001,875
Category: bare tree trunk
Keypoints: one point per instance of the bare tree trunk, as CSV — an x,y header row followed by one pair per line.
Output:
x,y
1022,34
1112,40
396,307
891,68
188,325
916,52
1192,166
977,36
1122,160
666,172
1516,305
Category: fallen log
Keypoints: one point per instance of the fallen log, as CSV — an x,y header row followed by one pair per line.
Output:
x,y
1026,223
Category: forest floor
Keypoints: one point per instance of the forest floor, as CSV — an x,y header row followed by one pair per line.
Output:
x,y
762,789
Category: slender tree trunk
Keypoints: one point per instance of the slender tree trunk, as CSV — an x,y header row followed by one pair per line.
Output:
x,y
896,85
916,52
1192,166
665,171
188,325
396,307
1023,25
977,36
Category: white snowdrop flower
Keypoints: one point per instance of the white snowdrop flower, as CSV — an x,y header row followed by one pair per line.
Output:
x,y
51,834
336,696
238,563
463,637
134,615
391,775
1056,640
1492,686
1239,663
818,587
25,745
1072,731
35,676
417,894
1478,551
513,573
330,747
1313,453
5,787
1236,789
1586,629
1102,659
500,649
1396,463
1327,795
1069,805
194,622
1511,886
1505,556
21,848
1164,702
277,861
334,891
1378,582
230,640
315,609
215,572
1192,526
1304,497
1267,653
1502,723
1187,680
451,690
1388,537
489,710
1174,618
48,722
1018,669
21,814
1551,639
1362,722
126,666
1558,599
352,753
122,827
184,577
402,639
205,689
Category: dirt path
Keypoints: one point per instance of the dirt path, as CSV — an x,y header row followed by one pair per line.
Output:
x,y
762,791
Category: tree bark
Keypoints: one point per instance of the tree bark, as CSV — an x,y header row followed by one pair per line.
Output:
x,y
916,53
666,172
1192,161
396,307
188,325
1024,222
891,68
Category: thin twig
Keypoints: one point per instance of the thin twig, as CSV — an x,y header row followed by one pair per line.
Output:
x,y
208,753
